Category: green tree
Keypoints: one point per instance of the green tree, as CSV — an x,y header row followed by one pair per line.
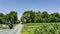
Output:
x,y
13,16
32,16
37,17
1,15
44,16
29,16
54,17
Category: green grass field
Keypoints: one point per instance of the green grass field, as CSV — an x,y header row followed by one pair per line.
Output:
x,y
30,27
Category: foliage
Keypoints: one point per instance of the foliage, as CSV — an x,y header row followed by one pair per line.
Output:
x,y
42,28
48,29
17,22
32,16
29,16
8,18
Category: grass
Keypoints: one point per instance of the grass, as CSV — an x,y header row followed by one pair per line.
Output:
x,y
26,31
30,27
2,27
14,25
6,27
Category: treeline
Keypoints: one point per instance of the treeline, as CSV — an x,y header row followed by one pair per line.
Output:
x,y
8,18
32,16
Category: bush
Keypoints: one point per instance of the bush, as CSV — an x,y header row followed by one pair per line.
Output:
x,y
17,22
48,29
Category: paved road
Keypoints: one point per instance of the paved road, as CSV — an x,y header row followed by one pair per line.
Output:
x,y
16,30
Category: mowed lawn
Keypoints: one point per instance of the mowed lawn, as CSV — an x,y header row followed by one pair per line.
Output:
x,y
30,27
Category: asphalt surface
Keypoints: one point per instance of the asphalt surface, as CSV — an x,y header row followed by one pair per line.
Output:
x,y
16,30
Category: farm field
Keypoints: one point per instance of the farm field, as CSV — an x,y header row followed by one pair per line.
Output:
x,y
33,28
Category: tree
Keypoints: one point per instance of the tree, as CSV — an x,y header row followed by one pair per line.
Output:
x,y
8,18
37,17
1,15
54,17
32,15
13,16
29,16
44,16
26,15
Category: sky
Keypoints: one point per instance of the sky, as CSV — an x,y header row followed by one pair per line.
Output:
x,y
23,5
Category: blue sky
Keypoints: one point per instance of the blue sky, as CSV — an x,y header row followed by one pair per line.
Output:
x,y
22,5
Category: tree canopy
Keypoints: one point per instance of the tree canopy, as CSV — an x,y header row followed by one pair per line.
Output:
x,y
5,19
37,16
